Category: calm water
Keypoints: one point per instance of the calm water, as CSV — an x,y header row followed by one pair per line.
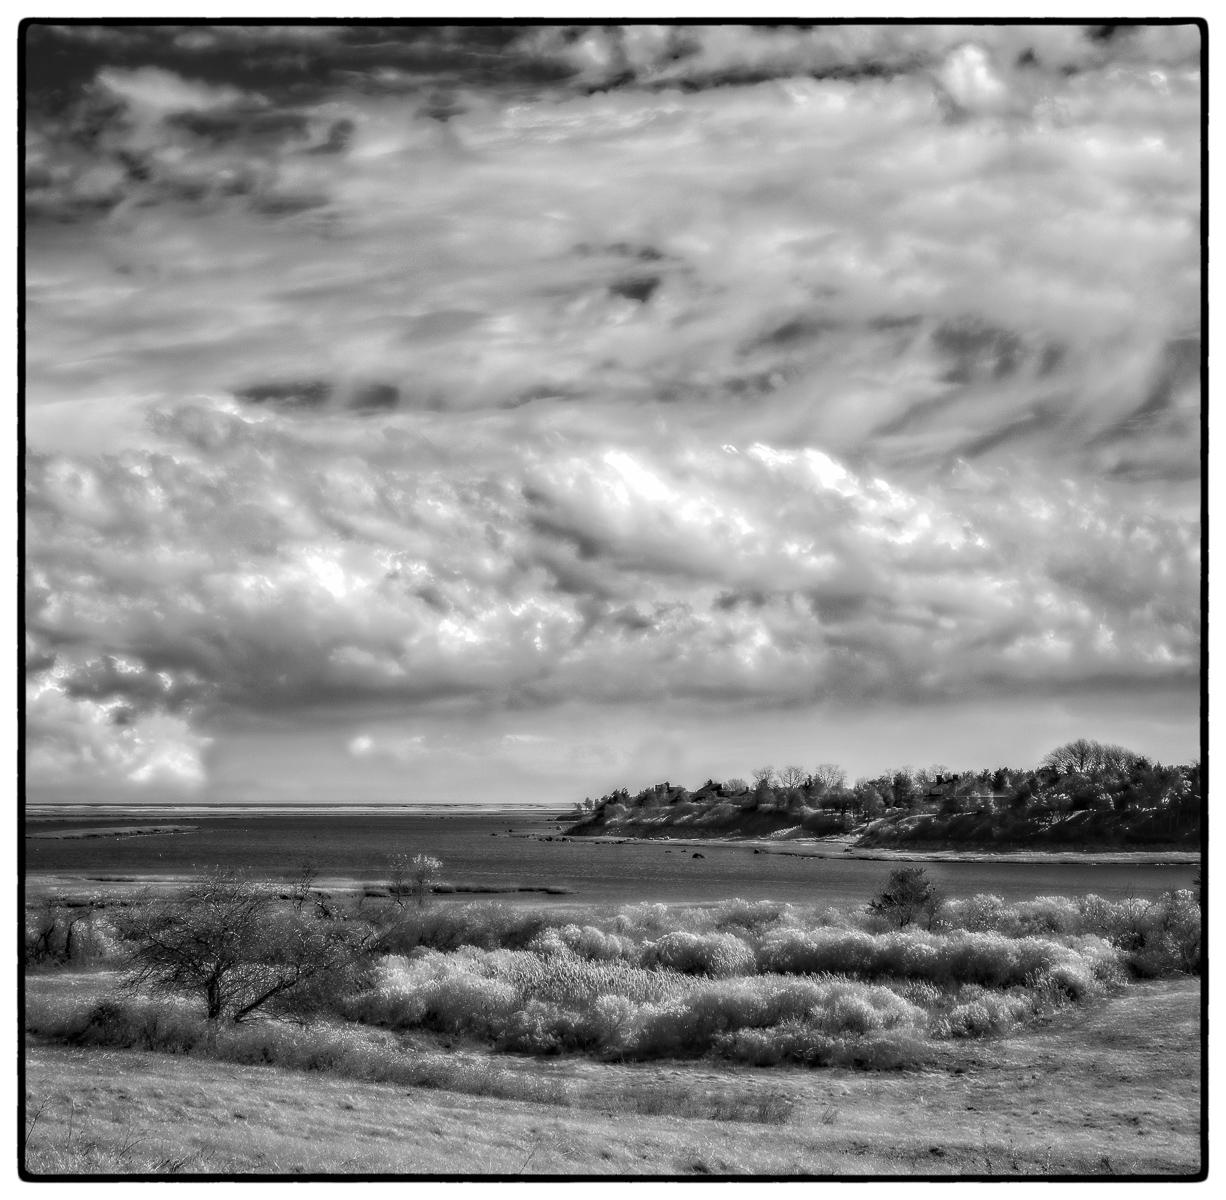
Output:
x,y
480,849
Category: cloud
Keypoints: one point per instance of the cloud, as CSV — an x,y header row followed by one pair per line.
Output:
x,y
711,366
398,749
288,570
955,291
72,738
154,92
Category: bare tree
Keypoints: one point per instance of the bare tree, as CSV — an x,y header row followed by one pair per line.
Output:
x,y
763,777
830,775
1117,758
1084,755
224,940
792,777
425,869
302,883
399,873
412,875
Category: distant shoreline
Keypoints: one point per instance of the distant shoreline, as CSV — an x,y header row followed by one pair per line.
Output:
x,y
56,812
844,848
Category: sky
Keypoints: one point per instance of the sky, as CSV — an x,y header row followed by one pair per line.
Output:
x,y
513,413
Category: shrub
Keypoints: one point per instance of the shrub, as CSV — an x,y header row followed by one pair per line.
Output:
x,y
797,1042
921,993
749,915
586,942
696,1022
975,913
908,895
1168,937
643,919
716,954
1157,938
478,923
792,1041
980,1012
58,933
960,957
483,924
438,992
168,1026
1179,919
970,1020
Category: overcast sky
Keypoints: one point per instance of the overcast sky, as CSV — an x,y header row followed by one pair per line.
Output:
x,y
440,415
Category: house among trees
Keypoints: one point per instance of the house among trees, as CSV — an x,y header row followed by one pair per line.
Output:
x,y
942,786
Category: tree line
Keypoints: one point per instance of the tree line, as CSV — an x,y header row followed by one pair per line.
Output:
x,y
1081,775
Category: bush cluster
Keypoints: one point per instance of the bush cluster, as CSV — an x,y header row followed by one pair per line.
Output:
x,y
757,982
1081,965
450,926
1156,937
834,984
537,1003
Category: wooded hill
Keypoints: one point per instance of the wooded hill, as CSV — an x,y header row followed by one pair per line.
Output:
x,y
1084,794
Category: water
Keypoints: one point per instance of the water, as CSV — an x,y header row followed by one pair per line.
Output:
x,y
479,849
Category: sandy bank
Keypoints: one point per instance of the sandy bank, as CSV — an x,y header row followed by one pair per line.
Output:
x,y
842,847
114,831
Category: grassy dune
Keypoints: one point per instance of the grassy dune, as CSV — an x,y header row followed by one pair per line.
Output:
x,y
1108,1090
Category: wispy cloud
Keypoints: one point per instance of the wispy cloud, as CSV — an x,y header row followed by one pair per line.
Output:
x,y
770,368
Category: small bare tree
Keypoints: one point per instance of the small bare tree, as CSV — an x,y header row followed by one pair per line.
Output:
x,y
399,872
302,883
425,872
412,875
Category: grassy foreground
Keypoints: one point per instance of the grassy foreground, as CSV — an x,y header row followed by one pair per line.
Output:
x,y
1112,1089
1050,1035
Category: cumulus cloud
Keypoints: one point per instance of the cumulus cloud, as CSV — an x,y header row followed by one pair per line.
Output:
x,y
281,568
664,365
73,738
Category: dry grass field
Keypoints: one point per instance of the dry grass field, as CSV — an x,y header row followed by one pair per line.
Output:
x,y
914,1035
1110,1090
